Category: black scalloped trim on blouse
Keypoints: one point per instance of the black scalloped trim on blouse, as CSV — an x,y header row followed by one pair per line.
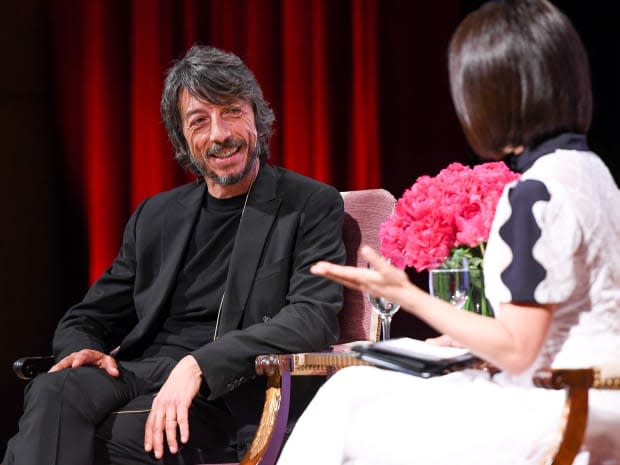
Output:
x,y
521,232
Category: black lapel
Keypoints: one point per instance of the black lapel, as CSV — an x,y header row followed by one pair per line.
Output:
x,y
177,225
179,221
259,215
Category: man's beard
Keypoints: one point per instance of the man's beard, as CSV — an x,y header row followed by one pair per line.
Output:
x,y
228,179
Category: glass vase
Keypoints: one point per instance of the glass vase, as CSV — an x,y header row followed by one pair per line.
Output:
x,y
462,287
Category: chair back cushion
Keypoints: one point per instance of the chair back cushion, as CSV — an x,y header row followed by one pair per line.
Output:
x,y
365,211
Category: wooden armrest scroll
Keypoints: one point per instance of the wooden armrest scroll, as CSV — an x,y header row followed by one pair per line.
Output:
x,y
273,364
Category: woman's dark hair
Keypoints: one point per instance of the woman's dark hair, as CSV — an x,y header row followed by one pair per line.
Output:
x,y
519,74
218,77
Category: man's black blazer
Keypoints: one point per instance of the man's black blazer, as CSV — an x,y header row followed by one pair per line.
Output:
x,y
273,304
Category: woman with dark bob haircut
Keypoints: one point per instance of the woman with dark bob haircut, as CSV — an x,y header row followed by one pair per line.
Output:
x,y
520,83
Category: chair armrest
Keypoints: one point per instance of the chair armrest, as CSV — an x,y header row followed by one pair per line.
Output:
x,y
309,363
576,382
29,367
564,378
269,436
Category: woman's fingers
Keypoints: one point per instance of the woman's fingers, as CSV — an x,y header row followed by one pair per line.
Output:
x,y
349,276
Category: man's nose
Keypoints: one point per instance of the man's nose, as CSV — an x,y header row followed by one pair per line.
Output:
x,y
220,131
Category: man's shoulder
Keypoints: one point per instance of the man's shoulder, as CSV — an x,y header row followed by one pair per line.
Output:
x,y
176,194
296,182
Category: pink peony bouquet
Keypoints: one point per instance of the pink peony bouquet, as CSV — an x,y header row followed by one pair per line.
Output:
x,y
441,220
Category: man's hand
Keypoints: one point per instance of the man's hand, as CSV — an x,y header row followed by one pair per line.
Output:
x,y
171,406
88,357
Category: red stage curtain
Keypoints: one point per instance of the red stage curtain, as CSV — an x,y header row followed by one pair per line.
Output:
x,y
315,59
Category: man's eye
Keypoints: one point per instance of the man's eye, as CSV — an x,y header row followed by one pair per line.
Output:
x,y
196,122
234,111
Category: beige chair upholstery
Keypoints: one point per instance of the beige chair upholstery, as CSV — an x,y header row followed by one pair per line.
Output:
x,y
365,211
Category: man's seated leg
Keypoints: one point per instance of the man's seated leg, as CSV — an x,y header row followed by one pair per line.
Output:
x,y
61,411
120,438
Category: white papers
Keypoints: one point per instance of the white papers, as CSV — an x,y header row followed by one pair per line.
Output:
x,y
420,349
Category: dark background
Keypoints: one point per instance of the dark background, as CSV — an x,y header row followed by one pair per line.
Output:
x,y
43,253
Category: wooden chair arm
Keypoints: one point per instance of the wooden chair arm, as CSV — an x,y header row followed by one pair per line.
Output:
x,y
309,363
562,378
576,382
269,436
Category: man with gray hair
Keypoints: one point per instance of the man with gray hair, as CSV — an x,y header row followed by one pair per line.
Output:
x,y
209,275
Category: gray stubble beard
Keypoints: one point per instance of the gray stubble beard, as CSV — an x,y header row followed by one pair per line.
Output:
x,y
230,179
